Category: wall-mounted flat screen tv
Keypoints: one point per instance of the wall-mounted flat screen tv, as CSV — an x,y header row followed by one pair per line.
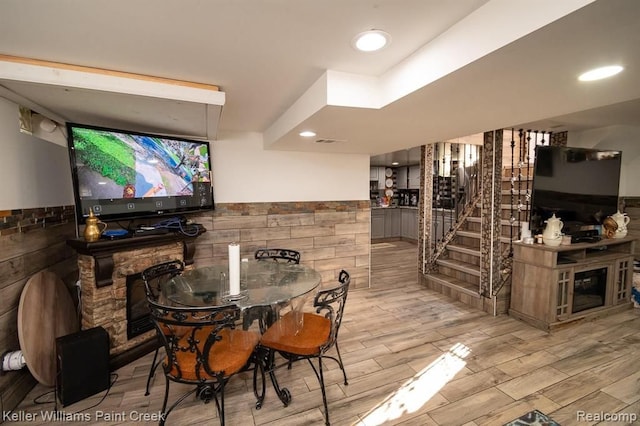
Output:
x,y
578,185
127,175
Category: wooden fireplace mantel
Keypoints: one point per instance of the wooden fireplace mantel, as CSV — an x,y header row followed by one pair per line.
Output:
x,y
102,250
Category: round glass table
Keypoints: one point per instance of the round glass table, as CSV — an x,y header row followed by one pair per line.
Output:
x,y
264,287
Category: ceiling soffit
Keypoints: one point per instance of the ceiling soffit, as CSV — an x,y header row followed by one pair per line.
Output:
x,y
77,81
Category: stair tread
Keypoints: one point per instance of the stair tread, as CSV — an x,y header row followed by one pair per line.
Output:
x,y
507,206
465,233
476,234
502,221
463,249
458,265
519,192
523,179
467,288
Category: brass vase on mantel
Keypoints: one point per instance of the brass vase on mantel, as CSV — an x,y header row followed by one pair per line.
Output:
x,y
93,228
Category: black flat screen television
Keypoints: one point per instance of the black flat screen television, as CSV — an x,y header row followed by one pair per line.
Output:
x,y
124,175
578,185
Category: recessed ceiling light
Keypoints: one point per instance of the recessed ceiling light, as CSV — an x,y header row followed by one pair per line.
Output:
x,y
307,134
395,163
372,40
600,73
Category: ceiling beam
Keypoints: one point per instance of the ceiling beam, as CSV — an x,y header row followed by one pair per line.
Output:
x,y
53,73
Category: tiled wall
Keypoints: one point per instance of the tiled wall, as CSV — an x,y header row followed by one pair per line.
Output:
x,y
24,220
330,235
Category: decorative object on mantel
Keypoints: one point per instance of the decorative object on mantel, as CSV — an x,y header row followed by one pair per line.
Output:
x,y
92,231
622,220
552,234
46,311
610,227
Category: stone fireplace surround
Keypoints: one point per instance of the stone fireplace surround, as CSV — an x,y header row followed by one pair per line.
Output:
x,y
103,269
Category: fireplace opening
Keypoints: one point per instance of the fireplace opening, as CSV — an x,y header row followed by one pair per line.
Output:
x,y
589,289
138,314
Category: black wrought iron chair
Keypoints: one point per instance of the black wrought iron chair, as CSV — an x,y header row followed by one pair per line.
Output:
x,y
267,314
278,255
307,335
153,278
204,349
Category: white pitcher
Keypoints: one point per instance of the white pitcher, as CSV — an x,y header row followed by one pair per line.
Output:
x,y
552,234
622,220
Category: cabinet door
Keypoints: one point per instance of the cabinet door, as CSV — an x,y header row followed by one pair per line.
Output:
x,y
623,280
562,295
402,177
414,177
381,177
410,224
404,226
377,224
392,223
373,173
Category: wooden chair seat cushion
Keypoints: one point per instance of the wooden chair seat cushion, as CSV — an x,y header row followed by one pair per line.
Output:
x,y
228,355
288,335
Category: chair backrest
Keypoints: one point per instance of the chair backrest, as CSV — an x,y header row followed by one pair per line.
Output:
x,y
330,302
278,255
155,275
189,334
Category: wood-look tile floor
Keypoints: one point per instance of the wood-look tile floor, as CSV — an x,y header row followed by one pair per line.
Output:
x,y
413,357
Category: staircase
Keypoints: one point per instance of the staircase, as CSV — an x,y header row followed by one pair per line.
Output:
x,y
456,271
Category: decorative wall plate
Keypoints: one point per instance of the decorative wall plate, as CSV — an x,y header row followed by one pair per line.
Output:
x,y
388,192
388,183
388,172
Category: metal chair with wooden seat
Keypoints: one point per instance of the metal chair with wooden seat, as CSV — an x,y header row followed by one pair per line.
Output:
x,y
153,277
307,335
203,348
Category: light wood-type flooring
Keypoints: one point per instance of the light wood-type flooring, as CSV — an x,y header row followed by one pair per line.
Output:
x,y
414,357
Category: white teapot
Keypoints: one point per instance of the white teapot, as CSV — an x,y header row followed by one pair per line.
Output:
x,y
552,234
622,220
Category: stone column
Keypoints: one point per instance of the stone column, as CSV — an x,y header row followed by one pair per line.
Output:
x,y
425,205
491,179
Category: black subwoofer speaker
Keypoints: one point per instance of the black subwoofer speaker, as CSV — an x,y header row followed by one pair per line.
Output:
x,y
82,364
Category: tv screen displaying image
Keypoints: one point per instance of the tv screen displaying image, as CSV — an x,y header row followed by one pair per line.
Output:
x,y
126,175
578,185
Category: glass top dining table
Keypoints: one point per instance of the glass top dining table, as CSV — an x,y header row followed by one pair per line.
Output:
x,y
262,283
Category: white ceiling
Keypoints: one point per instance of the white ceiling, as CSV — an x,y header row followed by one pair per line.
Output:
x,y
453,68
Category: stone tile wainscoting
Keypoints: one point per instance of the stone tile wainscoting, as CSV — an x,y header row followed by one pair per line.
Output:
x,y
330,235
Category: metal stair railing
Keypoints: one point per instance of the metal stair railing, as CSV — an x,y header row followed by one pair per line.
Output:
x,y
448,237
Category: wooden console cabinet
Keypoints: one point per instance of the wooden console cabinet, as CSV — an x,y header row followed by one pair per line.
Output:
x,y
549,286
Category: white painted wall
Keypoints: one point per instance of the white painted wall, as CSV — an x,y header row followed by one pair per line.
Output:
x,y
36,173
244,172
622,138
